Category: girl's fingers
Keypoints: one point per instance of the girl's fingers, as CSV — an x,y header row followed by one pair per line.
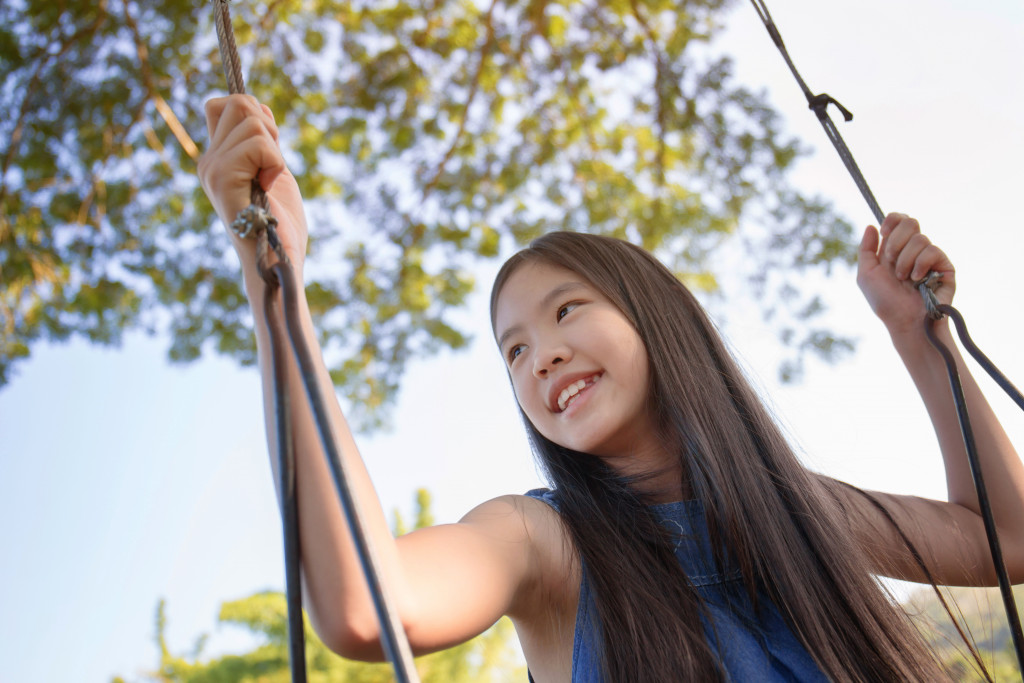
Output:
x,y
224,114
252,135
243,146
931,258
896,234
213,108
893,258
270,121
869,247
890,223
230,175
906,260
867,258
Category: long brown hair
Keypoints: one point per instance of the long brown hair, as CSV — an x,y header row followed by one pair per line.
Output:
x,y
784,527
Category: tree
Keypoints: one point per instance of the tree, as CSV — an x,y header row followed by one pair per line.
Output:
x,y
427,134
490,656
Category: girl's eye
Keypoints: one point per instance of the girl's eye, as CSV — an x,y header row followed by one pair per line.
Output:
x,y
514,352
565,309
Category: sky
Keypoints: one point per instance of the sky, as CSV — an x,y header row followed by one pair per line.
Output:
x,y
124,479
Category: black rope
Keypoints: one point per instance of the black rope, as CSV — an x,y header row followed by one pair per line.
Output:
x,y
1005,587
288,482
983,361
256,221
393,637
819,104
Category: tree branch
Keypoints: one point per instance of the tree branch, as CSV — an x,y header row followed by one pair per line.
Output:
x,y
659,77
164,109
156,145
473,88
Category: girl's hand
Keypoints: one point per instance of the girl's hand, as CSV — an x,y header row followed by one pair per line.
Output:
x,y
887,272
243,145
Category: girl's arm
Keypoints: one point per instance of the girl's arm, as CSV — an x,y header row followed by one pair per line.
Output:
x,y
950,536
449,582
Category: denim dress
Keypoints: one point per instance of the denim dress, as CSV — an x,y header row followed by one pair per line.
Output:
x,y
751,646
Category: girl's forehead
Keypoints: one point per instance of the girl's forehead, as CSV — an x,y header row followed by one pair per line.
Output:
x,y
531,281
527,288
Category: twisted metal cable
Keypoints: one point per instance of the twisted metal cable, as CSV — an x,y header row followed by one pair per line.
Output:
x,y
228,50
819,105
256,220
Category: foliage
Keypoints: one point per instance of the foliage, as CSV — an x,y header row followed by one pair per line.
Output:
x,y
427,134
490,656
981,615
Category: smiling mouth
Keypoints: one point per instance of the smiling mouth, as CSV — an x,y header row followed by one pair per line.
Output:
x,y
572,392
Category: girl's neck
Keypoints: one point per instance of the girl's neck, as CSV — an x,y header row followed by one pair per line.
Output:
x,y
658,475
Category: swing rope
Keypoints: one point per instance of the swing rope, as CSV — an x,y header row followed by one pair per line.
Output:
x,y
935,311
275,268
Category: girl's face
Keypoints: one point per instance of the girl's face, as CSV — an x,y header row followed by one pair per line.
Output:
x,y
578,368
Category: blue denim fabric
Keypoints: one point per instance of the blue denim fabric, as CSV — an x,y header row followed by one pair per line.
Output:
x,y
751,646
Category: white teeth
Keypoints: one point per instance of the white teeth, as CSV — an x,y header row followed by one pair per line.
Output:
x,y
569,392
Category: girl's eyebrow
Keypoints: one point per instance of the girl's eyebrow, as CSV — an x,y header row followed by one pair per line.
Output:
x,y
545,301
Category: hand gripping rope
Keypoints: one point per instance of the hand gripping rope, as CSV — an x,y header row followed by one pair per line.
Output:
x,y
935,311
276,270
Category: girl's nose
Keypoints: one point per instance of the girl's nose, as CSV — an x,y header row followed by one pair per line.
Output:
x,y
549,358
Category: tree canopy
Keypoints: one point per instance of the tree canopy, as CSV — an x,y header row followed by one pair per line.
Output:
x,y
426,135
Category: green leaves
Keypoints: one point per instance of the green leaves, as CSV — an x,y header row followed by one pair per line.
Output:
x,y
424,135
491,656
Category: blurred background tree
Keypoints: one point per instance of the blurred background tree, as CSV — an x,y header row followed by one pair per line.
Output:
x,y
493,656
982,616
426,134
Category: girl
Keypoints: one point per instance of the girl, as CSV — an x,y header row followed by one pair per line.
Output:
x,y
682,539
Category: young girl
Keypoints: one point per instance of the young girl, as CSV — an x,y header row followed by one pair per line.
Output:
x,y
682,539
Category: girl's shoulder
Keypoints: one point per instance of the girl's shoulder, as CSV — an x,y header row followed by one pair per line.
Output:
x,y
535,504
535,511
531,518
533,522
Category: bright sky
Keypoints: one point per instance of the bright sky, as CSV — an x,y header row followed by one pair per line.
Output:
x,y
124,479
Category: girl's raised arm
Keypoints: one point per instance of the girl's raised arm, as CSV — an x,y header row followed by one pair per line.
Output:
x,y
449,582
950,536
